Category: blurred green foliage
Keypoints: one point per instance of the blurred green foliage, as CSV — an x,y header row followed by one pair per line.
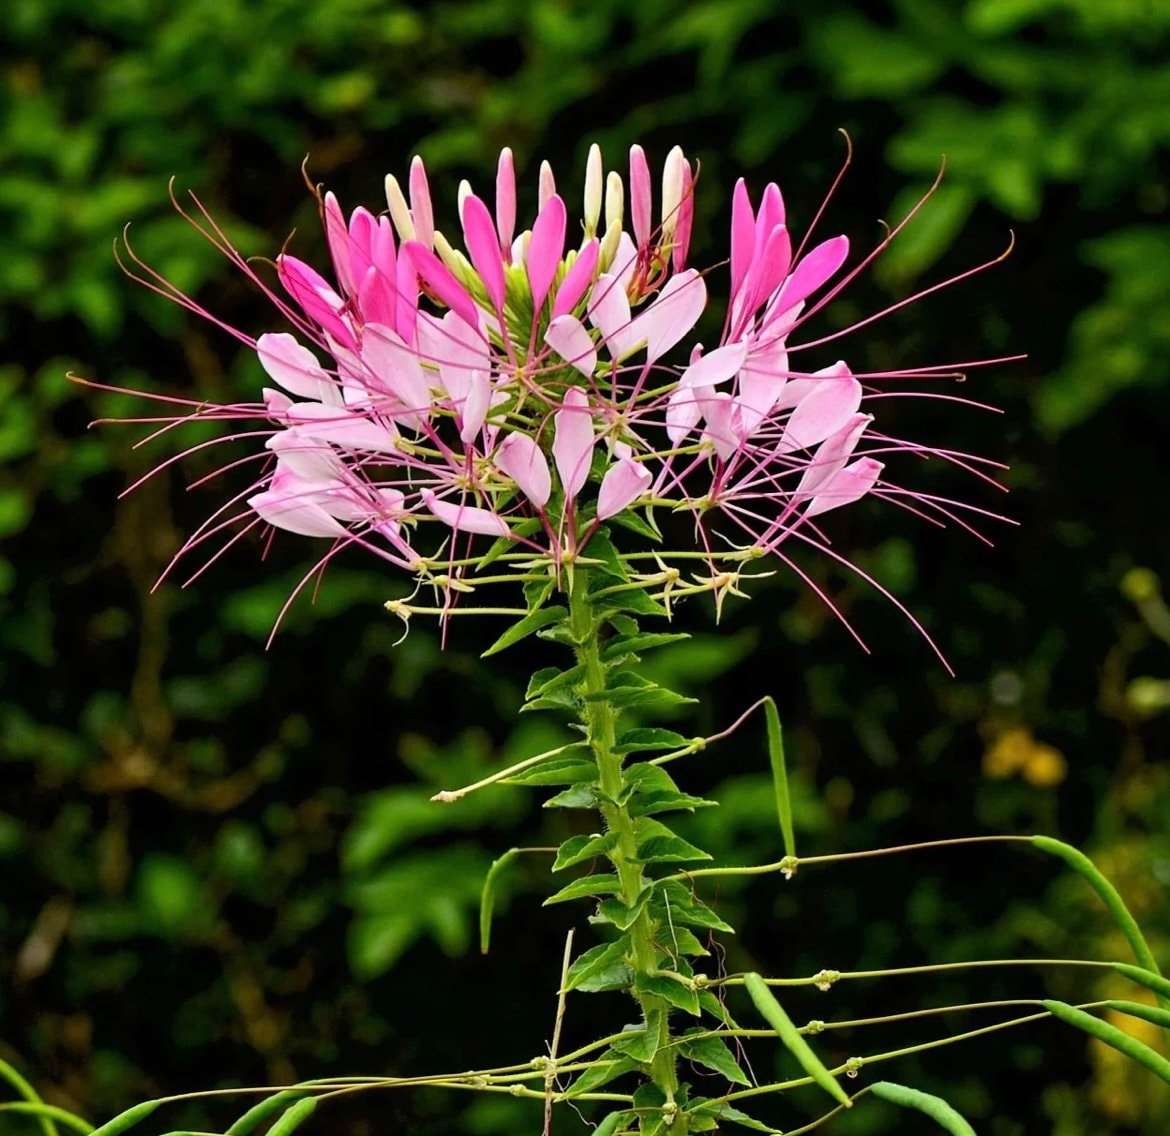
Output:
x,y
219,864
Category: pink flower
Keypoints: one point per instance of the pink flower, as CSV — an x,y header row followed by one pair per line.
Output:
x,y
435,392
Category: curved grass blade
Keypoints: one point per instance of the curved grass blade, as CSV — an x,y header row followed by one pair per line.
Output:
x,y
773,1013
25,1090
1083,866
779,775
934,1107
48,1112
1112,1036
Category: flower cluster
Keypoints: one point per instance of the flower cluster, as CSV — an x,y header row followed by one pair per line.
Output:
x,y
522,388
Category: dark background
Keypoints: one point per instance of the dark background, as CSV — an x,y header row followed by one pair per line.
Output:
x,y
218,864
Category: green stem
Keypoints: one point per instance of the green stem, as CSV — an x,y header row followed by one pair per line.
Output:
x,y
600,721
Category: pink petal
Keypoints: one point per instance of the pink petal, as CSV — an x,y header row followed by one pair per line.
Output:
x,y
672,315
317,423
316,297
609,312
521,459
568,337
640,196
743,235
683,409
832,455
686,220
285,509
465,518
441,282
394,368
545,249
624,482
822,412
715,367
420,204
577,279
722,428
505,198
573,441
337,236
812,271
407,291
475,407
484,247
295,367
845,486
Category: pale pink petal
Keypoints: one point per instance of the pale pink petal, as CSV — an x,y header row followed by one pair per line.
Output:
x,y
570,339
609,312
577,279
295,367
505,199
305,458
421,212
286,509
722,429
832,455
715,367
686,220
822,412
624,482
573,441
465,518
475,406
672,315
275,403
521,459
625,261
546,186
311,420
406,288
545,249
845,486
483,244
394,368
337,236
683,409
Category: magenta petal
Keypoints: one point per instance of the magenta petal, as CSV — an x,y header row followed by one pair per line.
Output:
x,y
573,441
845,486
521,459
570,339
812,271
338,238
771,211
743,235
315,295
484,247
545,249
441,282
465,518
624,482
672,315
640,207
577,279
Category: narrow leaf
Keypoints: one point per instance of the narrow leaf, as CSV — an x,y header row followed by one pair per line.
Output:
x,y
721,1110
611,1123
605,883
266,1109
487,899
1085,867
522,628
934,1107
1112,1036
779,775
773,1013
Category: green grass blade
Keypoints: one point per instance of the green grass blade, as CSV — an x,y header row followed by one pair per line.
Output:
x,y
779,775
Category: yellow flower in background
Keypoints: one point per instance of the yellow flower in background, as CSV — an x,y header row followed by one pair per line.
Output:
x,y
1015,751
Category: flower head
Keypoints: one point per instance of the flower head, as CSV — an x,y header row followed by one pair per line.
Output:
x,y
529,387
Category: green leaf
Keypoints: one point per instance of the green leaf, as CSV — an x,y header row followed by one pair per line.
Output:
x,y
1152,1014
647,740
643,641
612,1123
641,1044
632,600
671,989
773,1013
712,1053
1120,1040
597,960
605,883
126,1120
678,905
616,912
522,628
628,519
645,804
721,1110
684,942
562,770
578,848
669,850
711,1005
581,796
779,776
601,549
609,1067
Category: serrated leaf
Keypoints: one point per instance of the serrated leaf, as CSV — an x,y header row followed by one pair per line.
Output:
x,y
604,883
578,848
583,796
675,992
643,641
648,740
721,1110
646,804
595,959
684,942
632,600
712,1053
669,850
522,628
678,905
716,1009
627,697
563,770
609,1067
616,912
640,1044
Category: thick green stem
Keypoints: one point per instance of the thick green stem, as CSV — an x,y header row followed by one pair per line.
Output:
x,y
600,720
